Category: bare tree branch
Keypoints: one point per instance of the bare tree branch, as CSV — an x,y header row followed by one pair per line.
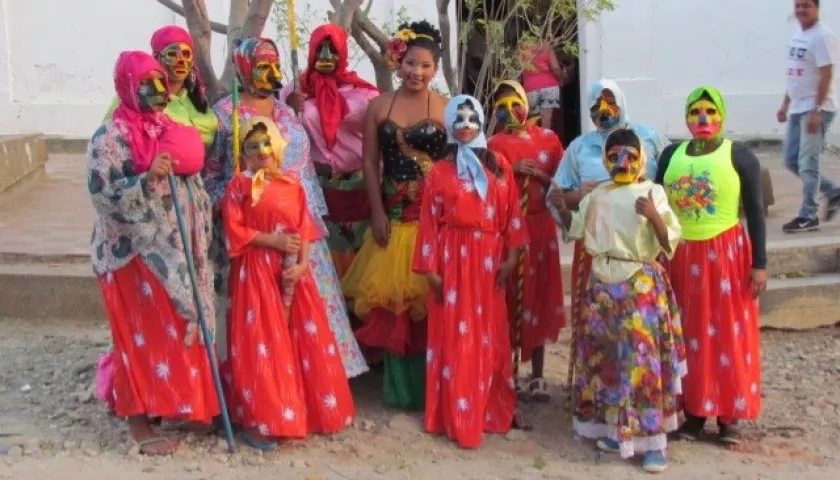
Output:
x,y
198,23
254,14
215,26
344,11
446,44
384,76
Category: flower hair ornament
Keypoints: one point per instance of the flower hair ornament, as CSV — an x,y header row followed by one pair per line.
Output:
x,y
396,48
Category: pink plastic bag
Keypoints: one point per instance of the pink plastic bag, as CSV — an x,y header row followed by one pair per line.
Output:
x,y
105,380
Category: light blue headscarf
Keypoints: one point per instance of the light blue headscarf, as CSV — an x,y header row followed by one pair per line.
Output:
x,y
469,166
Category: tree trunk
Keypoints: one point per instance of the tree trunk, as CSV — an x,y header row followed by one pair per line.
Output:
x,y
446,46
198,23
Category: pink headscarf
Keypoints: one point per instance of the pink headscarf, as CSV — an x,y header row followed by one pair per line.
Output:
x,y
140,128
165,36
150,133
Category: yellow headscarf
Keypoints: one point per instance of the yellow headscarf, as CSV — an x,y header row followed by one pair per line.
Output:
x,y
278,144
520,92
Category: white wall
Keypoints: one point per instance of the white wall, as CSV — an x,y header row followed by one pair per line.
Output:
x,y
659,50
57,56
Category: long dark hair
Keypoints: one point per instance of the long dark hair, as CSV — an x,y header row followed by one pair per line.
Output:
x,y
487,157
196,93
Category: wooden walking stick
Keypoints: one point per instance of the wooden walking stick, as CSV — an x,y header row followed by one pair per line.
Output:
x,y
291,259
209,344
578,290
237,147
520,290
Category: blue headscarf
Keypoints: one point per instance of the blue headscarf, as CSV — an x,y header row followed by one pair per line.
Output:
x,y
469,166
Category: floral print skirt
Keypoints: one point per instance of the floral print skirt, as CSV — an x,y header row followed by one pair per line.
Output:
x,y
329,287
630,359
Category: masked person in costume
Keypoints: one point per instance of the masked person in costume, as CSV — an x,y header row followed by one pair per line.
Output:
x,y
629,355
470,234
286,379
160,367
174,49
719,270
333,115
582,168
404,133
535,154
258,69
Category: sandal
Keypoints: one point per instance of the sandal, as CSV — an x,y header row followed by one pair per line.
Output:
x,y
253,443
142,444
538,388
519,422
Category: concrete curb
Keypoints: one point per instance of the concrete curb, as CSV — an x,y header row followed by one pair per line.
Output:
x,y
805,294
38,291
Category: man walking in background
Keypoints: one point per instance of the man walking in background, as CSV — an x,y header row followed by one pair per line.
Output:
x,y
809,107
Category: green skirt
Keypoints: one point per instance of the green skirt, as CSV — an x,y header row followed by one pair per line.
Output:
x,y
405,382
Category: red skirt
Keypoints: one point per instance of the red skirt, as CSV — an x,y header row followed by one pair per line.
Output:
x,y
284,373
154,373
543,313
711,280
396,334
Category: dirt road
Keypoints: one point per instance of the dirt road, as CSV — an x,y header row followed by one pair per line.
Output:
x,y
51,427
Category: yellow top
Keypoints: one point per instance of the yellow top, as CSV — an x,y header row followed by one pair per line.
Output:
x,y
620,240
705,191
182,110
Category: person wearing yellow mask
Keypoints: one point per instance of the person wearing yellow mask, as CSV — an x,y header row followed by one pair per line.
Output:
x,y
286,379
720,269
535,154
629,355
174,49
257,62
582,167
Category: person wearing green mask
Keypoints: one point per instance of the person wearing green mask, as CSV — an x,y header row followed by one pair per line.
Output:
x,y
719,270
173,47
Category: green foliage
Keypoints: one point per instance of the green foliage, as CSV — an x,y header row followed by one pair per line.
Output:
x,y
547,23
304,25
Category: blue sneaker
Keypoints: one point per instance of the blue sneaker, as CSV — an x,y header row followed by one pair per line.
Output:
x,y
607,445
655,461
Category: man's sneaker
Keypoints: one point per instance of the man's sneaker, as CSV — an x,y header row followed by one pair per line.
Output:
x,y
832,205
655,461
799,225
608,445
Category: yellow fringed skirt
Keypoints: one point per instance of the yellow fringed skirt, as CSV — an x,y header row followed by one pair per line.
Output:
x,y
382,277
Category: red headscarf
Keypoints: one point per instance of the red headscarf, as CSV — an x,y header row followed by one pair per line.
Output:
x,y
332,107
140,128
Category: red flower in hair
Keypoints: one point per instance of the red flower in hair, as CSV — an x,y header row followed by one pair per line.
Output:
x,y
396,49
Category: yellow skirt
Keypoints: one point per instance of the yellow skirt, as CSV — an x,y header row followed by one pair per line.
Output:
x,y
382,277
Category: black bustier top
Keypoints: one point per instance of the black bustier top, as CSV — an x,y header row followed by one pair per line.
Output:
x,y
400,164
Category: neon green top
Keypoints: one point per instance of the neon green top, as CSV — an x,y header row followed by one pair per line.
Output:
x,y
182,110
704,191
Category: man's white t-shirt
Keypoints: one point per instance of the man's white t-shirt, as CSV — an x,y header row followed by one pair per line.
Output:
x,y
808,51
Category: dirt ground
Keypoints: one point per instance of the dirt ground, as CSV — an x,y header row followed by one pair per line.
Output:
x,y
51,427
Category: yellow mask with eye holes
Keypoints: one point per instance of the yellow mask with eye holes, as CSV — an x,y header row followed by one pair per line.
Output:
x,y
624,164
